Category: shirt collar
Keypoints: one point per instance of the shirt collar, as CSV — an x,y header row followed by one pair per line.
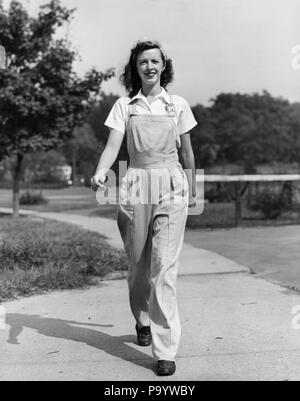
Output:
x,y
162,95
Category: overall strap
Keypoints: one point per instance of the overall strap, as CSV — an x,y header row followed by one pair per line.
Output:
x,y
132,109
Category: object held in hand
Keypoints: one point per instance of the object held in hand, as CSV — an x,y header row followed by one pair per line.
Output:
x,y
193,201
2,58
96,186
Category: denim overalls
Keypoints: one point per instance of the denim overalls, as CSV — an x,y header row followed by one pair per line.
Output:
x,y
153,230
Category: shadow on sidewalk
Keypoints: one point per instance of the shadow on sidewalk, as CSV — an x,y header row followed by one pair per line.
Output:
x,y
68,330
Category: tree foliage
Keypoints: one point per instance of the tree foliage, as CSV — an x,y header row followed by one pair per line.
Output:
x,y
241,129
42,99
82,152
247,130
97,118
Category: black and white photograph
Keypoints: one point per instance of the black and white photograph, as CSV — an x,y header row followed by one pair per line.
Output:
x,y
149,193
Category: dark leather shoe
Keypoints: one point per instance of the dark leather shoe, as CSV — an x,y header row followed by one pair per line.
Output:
x,y
166,368
144,337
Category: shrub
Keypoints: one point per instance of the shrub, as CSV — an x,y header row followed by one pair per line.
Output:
x,y
219,193
32,198
270,204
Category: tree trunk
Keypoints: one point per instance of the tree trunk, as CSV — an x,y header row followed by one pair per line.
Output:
x,y
16,185
74,170
238,204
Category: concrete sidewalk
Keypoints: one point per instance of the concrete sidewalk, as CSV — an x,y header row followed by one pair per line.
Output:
x,y
234,327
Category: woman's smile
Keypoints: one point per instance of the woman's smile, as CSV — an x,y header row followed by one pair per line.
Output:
x,y
150,74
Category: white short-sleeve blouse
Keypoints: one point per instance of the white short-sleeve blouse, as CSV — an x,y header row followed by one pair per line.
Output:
x,y
119,114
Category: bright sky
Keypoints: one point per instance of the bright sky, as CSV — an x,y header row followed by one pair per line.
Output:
x,y
216,45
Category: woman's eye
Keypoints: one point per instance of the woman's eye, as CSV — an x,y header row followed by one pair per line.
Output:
x,y
153,61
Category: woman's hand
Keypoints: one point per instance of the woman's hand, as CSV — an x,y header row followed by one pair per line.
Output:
x,y
98,181
107,159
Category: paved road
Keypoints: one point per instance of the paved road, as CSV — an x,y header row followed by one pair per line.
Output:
x,y
271,252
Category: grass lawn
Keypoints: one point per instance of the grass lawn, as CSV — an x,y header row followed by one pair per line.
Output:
x,y
59,200
39,255
81,200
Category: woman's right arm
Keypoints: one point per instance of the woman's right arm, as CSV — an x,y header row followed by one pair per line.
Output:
x,y
108,156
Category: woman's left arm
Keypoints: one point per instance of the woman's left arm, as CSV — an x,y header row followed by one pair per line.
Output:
x,y
187,159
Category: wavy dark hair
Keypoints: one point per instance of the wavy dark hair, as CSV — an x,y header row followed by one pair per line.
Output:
x,y
130,77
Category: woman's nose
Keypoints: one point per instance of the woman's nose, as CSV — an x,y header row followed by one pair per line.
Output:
x,y
149,65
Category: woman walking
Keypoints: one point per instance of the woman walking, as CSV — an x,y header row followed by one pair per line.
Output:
x,y
155,194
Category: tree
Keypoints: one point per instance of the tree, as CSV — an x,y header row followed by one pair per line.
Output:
x,y
99,114
247,130
294,142
44,167
252,129
82,152
42,99
88,141
97,119
203,138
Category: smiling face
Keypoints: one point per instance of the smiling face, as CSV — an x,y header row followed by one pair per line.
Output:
x,y
150,66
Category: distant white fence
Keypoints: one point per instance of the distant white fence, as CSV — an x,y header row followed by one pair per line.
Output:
x,y
241,183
